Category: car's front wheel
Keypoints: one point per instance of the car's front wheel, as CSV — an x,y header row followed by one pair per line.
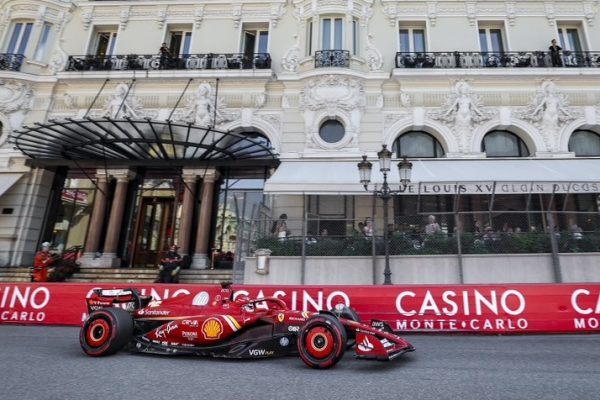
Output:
x,y
322,341
106,331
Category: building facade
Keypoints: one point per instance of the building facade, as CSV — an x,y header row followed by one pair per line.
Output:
x,y
128,126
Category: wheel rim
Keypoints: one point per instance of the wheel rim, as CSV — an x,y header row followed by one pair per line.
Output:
x,y
98,333
319,342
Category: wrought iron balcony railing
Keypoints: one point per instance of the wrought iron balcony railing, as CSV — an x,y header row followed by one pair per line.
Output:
x,y
11,62
156,62
332,58
514,59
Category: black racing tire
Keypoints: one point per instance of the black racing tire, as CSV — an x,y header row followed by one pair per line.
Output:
x,y
106,331
348,313
322,341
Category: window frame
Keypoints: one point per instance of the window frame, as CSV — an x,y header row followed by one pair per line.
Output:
x,y
397,148
19,46
41,49
563,37
520,145
586,131
332,35
488,27
411,27
113,33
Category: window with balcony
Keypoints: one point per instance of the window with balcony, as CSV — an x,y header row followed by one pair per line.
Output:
x,y
332,34
42,46
255,39
104,42
569,37
179,41
19,37
491,38
499,143
412,38
417,144
585,143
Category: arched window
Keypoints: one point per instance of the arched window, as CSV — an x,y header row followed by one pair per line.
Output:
x,y
332,131
245,149
503,144
584,143
418,144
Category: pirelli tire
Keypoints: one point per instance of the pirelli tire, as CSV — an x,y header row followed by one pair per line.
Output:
x,y
106,331
322,341
348,313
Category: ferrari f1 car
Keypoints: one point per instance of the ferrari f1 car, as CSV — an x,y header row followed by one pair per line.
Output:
x,y
231,328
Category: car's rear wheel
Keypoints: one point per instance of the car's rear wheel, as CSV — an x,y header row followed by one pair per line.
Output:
x,y
322,341
106,331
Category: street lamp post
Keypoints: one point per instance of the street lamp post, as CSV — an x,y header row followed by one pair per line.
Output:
x,y
385,193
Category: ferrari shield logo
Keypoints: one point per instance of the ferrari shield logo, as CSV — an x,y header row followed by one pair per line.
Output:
x,y
280,317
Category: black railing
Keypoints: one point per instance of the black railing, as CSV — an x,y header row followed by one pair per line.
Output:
x,y
156,62
332,58
514,59
11,62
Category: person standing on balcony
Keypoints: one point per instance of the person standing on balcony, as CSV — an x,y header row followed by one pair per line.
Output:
x,y
432,226
555,50
279,228
165,55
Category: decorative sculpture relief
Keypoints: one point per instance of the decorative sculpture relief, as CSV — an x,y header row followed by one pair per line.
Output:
x,y
201,110
124,18
465,110
58,60
277,11
14,96
161,18
549,7
122,104
549,110
589,11
511,13
291,58
236,15
333,96
471,9
198,16
432,12
374,56
86,18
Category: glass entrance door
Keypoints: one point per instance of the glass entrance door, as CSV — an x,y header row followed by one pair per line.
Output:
x,y
154,230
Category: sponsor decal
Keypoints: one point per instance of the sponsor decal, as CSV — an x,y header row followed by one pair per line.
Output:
x,y
155,303
377,324
293,328
153,313
189,335
260,352
161,332
284,342
365,345
192,323
305,314
212,329
280,317
201,299
23,304
232,322
301,319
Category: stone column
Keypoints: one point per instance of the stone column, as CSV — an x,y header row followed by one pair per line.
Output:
x,y
187,211
96,221
200,259
111,242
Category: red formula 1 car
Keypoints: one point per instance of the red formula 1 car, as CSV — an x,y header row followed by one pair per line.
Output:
x,y
240,328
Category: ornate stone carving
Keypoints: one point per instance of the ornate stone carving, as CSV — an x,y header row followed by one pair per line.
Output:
x,y
236,14
374,56
86,18
122,104
14,96
463,109
511,12
471,9
291,58
277,11
432,12
549,8
124,18
201,109
161,18
589,11
58,60
391,11
332,96
198,16
548,110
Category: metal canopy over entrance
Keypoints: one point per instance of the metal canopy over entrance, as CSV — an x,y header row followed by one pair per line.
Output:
x,y
137,142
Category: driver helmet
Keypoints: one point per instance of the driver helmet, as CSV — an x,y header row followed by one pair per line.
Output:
x,y
46,246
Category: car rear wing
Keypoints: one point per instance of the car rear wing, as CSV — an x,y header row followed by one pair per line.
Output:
x,y
127,299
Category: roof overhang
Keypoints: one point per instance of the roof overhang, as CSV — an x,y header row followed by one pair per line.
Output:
x,y
442,176
125,141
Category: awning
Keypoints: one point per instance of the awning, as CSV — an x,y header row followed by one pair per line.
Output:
x,y
7,181
131,141
442,176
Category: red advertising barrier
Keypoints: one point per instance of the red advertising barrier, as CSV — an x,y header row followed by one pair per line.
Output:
x,y
485,309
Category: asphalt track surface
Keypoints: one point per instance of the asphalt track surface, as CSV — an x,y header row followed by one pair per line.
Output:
x,y
47,363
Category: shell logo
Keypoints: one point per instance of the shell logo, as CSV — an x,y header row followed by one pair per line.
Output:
x,y
212,329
